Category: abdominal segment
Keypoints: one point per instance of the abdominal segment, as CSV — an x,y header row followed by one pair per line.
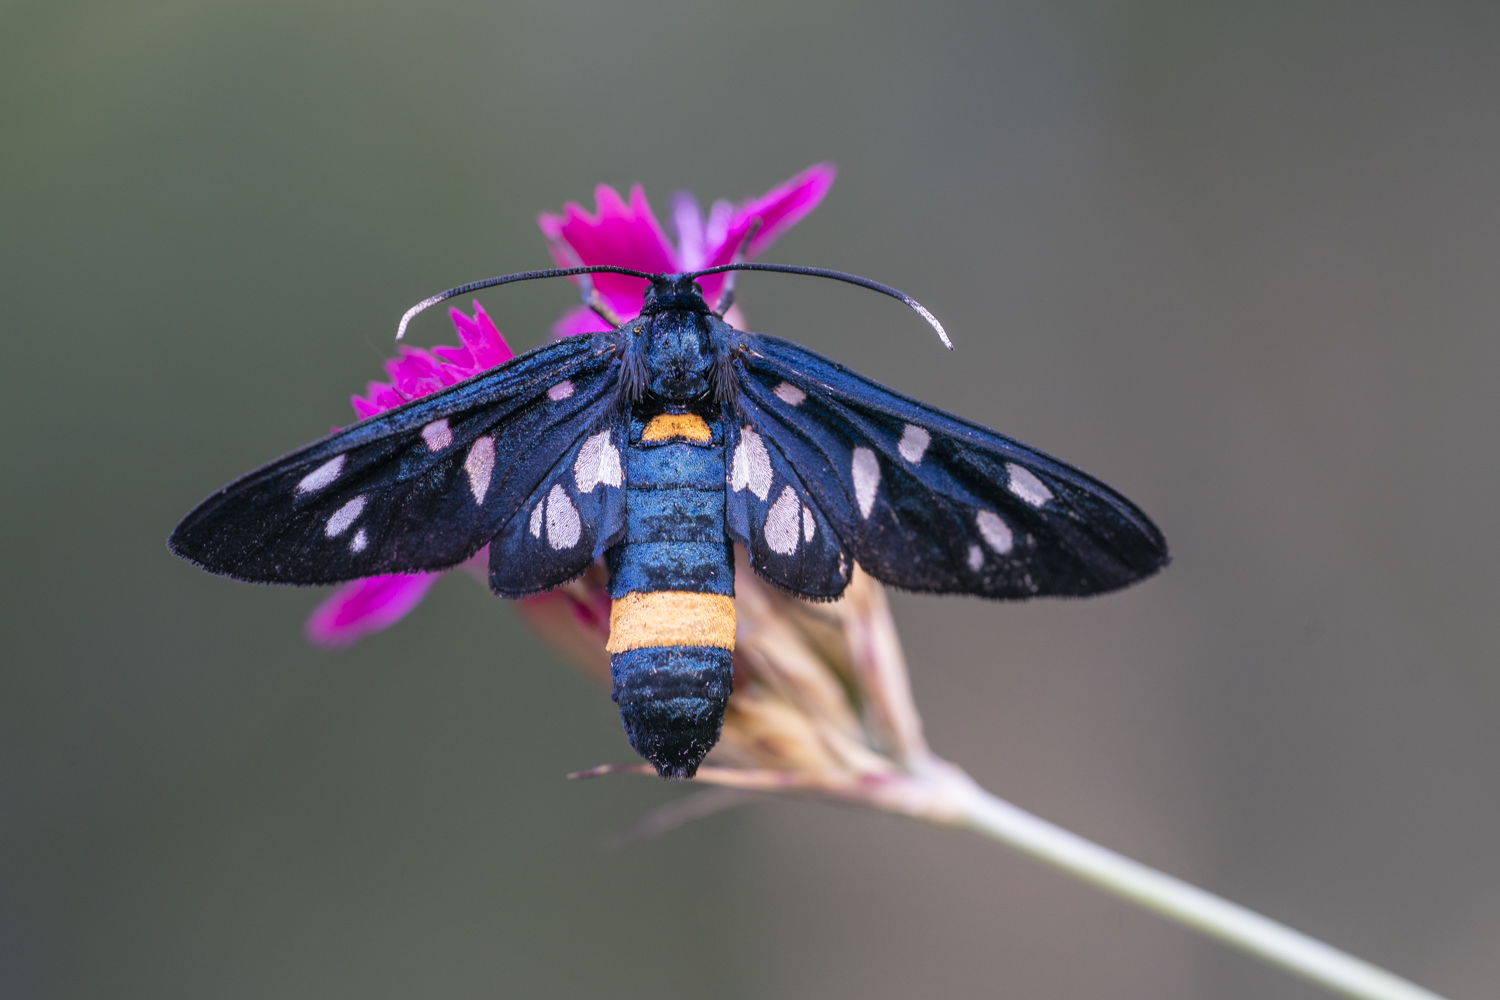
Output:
x,y
672,583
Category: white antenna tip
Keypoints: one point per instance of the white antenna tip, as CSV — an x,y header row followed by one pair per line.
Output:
x,y
930,318
406,318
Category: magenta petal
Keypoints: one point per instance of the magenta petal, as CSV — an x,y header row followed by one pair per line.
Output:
x,y
362,408
481,337
454,374
386,397
417,373
778,210
689,222
378,398
457,357
716,230
493,350
579,319
357,609
782,207
626,235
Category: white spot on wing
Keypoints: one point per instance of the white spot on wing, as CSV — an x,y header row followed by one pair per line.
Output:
x,y
563,526
560,391
866,471
739,468
789,394
809,526
438,435
322,475
345,516
976,557
536,518
995,531
782,526
1027,486
479,465
913,443
359,541
598,462
751,466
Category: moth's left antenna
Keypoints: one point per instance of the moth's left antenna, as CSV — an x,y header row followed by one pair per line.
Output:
x,y
505,279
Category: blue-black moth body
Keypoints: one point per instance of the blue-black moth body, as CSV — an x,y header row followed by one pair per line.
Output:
x,y
657,446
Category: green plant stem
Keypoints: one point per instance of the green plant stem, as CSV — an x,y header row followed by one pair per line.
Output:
x,y
1173,898
934,790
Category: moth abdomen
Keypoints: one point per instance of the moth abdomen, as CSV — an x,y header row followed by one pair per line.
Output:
x,y
672,701
671,630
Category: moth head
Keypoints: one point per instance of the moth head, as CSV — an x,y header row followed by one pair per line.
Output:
x,y
672,293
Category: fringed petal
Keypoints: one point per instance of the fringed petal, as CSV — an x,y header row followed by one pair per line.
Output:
x,y
690,234
362,607
626,235
415,373
481,337
777,210
579,319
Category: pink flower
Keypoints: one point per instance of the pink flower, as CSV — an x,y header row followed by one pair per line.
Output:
x,y
364,606
415,372
626,235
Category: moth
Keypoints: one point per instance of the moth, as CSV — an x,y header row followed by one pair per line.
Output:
x,y
657,446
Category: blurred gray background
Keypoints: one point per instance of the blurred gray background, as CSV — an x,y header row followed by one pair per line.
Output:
x,y
1238,260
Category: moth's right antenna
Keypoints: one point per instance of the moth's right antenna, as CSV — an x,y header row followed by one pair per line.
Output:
x,y
853,279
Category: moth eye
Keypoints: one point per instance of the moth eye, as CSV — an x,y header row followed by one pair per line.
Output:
x,y
865,469
1026,485
995,531
789,394
913,443
322,476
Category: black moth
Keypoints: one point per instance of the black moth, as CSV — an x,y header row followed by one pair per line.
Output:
x,y
658,445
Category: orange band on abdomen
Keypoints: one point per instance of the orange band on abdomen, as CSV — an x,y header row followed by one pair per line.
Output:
x,y
670,618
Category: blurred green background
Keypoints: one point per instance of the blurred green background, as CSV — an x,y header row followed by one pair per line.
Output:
x,y
1238,260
